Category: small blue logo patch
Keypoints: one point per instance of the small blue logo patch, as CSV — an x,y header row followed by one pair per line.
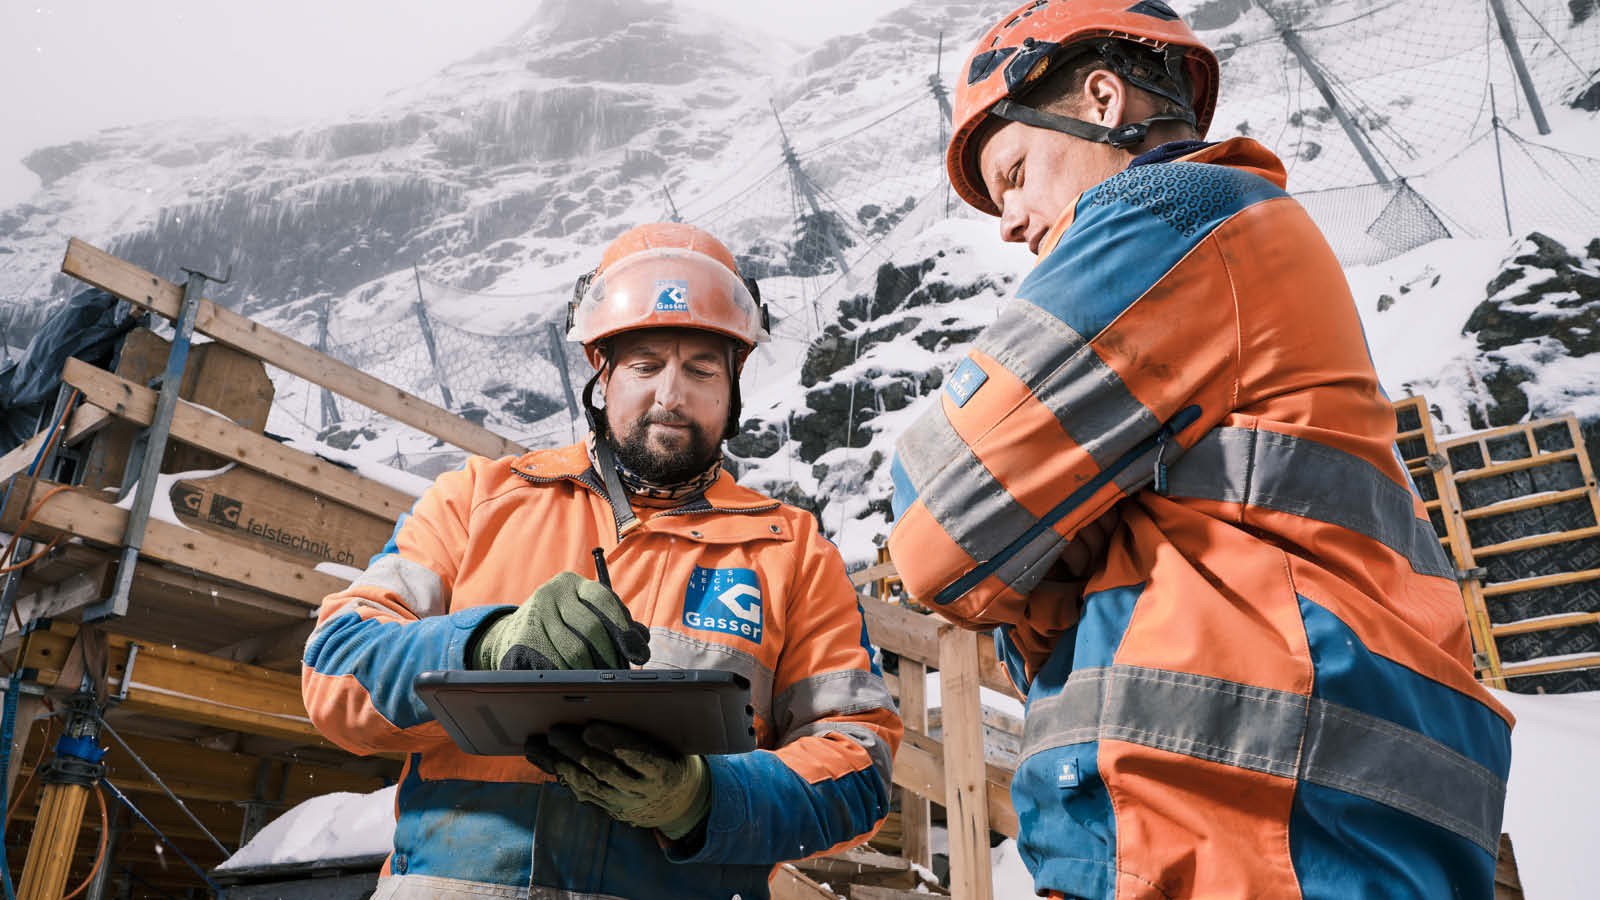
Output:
x,y
672,296
724,600
965,381
1068,776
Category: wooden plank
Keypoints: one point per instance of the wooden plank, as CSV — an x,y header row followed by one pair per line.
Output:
x,y
1580,662
1515,465
194,772
991,673
789,884
195,426
902,631
184,685
864,577
1500,589
1549,623
264,513
141,288
919,766
93,519
1538,540
915,816
966,803
1518,504
1498,432
65,597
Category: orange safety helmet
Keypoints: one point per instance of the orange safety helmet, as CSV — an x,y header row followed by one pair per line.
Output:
x,y
1024,45
667,275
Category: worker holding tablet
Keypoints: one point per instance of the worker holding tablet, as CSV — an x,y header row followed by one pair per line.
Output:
x,y
492,569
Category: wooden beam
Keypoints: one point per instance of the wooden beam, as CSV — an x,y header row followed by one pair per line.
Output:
x,y
1538,540
101,269
966,805
1502,588
74,513
919,767
864,577
789,884
83,589
1515,465
208,431
1518,504
1548,623
184,685
1589,661
915,816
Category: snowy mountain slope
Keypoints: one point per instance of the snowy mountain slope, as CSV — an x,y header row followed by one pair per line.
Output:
x,y
503,175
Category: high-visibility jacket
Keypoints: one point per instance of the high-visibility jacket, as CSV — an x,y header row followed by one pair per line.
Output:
x,y
487,536
1269,691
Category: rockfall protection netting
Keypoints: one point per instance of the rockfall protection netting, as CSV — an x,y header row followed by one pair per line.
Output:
x,y
1419,80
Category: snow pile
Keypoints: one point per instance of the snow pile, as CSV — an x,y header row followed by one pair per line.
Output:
x,y
330,827
1553,799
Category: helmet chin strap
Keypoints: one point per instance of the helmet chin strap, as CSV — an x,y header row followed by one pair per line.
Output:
x,y
1121,136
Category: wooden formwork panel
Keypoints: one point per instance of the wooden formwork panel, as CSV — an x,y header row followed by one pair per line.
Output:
x,y
1532,518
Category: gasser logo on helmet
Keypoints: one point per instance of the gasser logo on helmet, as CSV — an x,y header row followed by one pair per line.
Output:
x,y
672,295
724,600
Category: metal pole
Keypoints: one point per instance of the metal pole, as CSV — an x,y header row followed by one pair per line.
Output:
x,y
558,355
1351,129
102,878
1517,63
670,205
802,183
155,447
427,339
1499,162
936,82
330,409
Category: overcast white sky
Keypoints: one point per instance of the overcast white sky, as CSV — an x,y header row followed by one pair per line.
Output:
x,y
71,67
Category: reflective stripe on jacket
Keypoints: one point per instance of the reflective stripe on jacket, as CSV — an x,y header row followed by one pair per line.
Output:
x,y
487,536
1269,691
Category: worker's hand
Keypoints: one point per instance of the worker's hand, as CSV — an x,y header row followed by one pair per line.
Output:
x,y
627,774
570,622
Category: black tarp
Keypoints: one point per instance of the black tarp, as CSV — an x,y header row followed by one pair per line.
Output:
x,y
88,327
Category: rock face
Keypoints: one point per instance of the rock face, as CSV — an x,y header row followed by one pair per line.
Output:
x,y
1538,333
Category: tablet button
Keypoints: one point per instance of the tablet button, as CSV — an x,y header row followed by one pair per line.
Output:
x,y
607,676
677,676
645,676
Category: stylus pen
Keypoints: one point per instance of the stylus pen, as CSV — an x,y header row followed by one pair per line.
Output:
x,y
602,575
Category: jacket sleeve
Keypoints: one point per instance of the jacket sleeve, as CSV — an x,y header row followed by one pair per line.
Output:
x,y
374,637
826,785
1120,349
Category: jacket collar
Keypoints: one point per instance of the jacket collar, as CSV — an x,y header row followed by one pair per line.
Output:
x,y
571,463
1235,153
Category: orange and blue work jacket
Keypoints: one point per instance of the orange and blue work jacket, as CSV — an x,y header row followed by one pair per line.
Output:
x,y
1268,691
729,580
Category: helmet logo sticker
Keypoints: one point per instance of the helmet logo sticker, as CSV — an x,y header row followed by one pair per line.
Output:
x,y
1156,8
672,295
965,381
724,600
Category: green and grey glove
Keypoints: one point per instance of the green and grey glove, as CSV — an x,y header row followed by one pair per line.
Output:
x,y
627,774
570,622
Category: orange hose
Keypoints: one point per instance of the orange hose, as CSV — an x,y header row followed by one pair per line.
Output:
x,y
105,841
22,527
16,800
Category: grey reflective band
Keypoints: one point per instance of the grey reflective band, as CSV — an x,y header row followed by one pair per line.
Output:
x,y
963,496
842,693
671,649
1275,732
418,586
1304,478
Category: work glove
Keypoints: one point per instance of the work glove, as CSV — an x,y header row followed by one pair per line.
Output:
x,y
570,622
627,774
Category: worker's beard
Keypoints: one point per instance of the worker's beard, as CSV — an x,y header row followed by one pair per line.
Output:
x,y
670,465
